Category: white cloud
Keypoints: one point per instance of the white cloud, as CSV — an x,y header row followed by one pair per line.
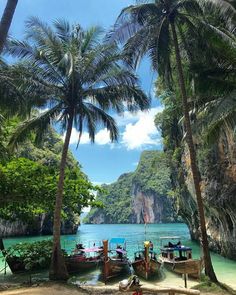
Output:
x,y
128,117
138,131
75,137
102,137
143,132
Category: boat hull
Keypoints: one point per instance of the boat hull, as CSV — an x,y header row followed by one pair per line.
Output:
x,y
115,267
17,265
75,264
145,269
192,267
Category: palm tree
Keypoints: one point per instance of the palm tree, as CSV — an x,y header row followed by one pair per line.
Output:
x,y
6,21
81,80
153,28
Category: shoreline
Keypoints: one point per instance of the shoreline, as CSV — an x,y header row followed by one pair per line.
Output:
x,y
69,289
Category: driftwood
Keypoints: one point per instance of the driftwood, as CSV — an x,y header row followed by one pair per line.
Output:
x,y
145,290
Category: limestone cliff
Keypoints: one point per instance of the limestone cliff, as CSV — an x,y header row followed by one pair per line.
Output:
x,y
42,225
138,197
218,170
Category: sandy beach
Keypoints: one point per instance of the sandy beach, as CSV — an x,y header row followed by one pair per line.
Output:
x,y
63,289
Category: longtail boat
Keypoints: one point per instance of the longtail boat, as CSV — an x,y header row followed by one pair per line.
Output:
x,y
115,261
84,259
16,263
81,259
146,264
178,258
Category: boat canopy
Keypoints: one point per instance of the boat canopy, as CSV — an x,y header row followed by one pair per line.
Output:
x,y
89,250
117,241
121,251
142,251
176,248
170,238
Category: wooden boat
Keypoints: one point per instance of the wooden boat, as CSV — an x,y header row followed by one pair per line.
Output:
x,y
16,263
81,260
146,263
178,258
84,259
115,261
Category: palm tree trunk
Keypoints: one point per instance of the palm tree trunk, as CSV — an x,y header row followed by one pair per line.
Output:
x,y
6,21
4,28
209,271
58,269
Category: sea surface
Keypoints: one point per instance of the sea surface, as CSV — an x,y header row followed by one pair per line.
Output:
x,y
134,234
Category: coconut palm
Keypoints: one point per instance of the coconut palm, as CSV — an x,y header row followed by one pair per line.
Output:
x,y
81,80
6,21
154,28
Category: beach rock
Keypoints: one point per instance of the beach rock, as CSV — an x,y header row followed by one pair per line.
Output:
x,y
218,171
41,225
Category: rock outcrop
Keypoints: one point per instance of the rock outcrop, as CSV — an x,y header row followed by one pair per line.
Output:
x,y
138,197
41,225
218,170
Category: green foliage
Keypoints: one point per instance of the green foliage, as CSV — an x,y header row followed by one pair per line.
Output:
x,y
77,74
28,188
151,176
33,255
153,173
28,181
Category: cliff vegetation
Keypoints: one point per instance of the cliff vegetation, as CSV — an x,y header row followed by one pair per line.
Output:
x,y
138,197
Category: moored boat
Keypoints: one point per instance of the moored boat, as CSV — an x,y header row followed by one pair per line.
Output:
x,y
146,263
178,258
84,259
115,261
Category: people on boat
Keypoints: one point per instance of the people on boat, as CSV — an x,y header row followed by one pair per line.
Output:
x,y
150,245
171,245
79,246
119,251
79,249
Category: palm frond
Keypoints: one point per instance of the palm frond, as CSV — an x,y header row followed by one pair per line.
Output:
x,y
39,124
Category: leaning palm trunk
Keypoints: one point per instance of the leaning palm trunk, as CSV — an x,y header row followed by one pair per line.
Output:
x,y
209,271
6,21
58,269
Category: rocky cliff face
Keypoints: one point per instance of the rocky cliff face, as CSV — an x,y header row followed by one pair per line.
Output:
x,y
151,207
218,170
41,225
138,197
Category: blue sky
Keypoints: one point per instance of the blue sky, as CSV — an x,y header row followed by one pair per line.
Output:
x,y
103,162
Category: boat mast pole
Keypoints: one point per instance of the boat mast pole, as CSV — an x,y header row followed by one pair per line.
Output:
x,y
105,253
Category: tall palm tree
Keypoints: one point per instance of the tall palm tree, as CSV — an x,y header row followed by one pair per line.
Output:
x,y
81,80
6,21
153,28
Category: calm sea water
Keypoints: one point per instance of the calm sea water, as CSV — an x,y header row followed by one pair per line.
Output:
x,y
135,235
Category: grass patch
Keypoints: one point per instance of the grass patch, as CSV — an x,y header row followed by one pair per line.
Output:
x,y
207,286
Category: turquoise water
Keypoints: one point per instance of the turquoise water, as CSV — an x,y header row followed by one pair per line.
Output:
x,y
135,235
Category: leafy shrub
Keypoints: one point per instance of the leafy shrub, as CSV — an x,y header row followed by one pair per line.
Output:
x,y
33,255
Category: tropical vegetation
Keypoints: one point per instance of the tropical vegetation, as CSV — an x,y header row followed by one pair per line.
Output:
x,y
80,80
160,29
36,255
68,78
151,177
